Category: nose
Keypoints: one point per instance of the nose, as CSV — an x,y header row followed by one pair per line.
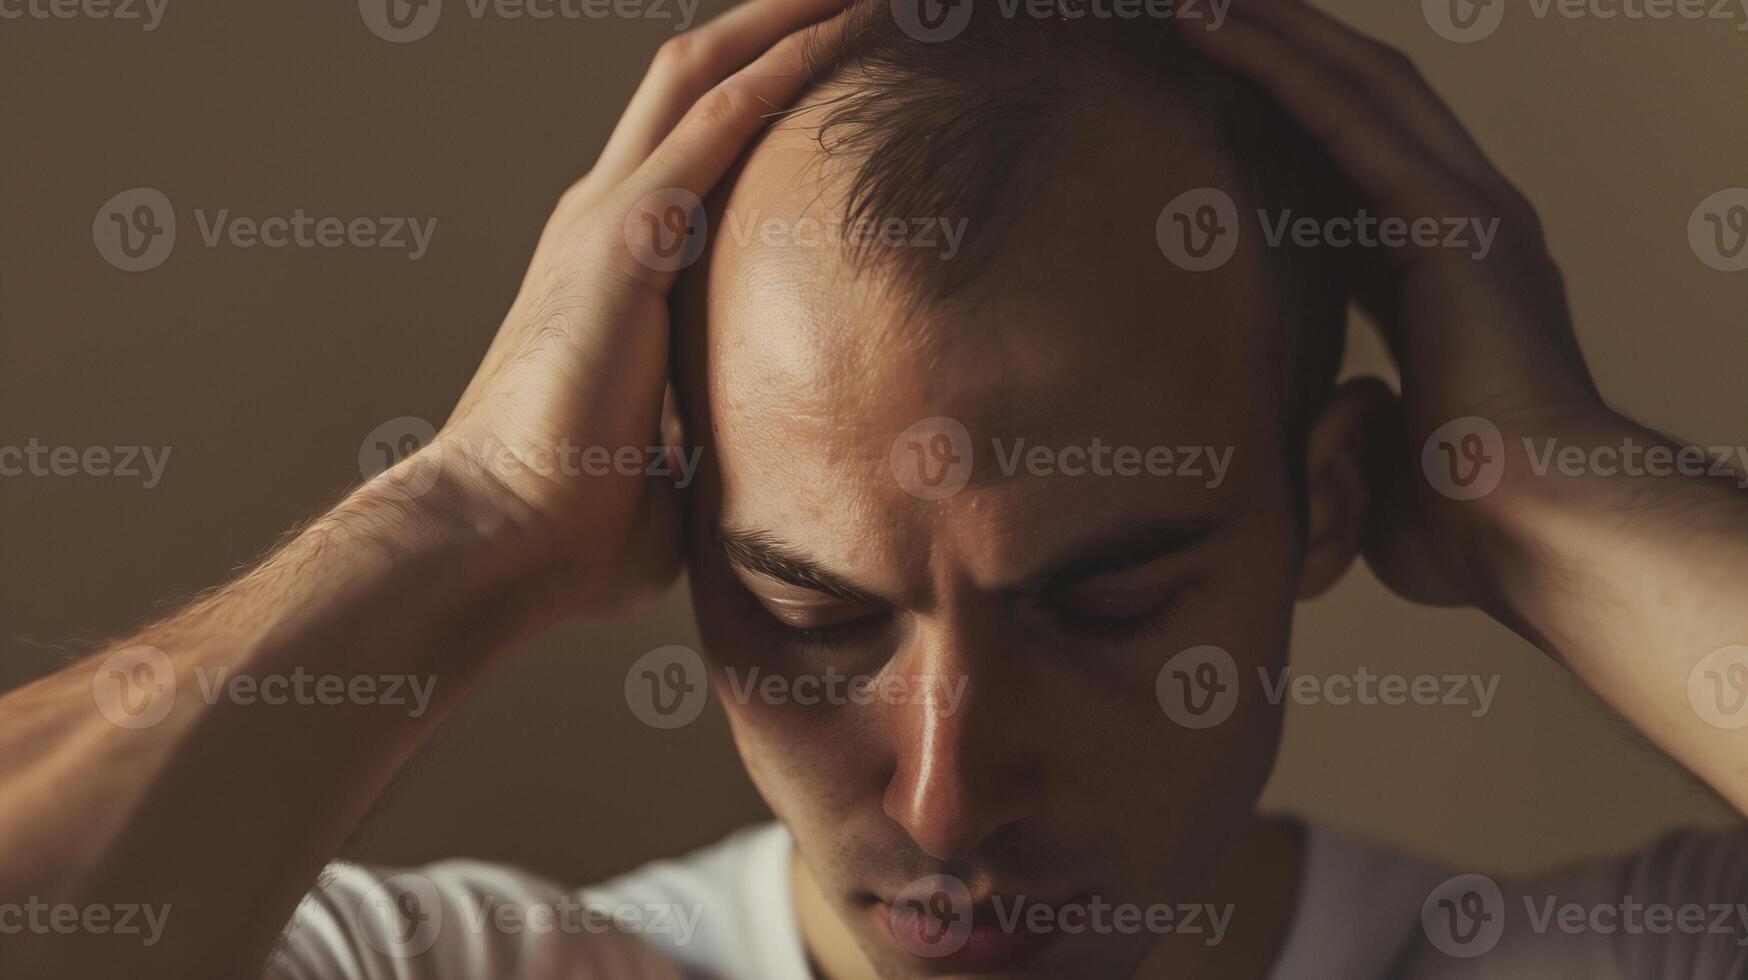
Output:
x,y
966,761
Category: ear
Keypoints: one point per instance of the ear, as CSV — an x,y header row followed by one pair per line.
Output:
x,y
1338,454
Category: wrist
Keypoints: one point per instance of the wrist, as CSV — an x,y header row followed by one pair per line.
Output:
x,y
453,525
1567,494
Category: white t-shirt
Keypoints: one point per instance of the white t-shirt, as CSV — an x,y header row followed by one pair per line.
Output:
x,y
1677,909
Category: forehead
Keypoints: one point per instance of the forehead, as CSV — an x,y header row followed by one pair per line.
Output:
x,y
812,367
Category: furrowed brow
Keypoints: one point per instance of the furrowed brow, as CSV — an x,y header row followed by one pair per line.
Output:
x,y
759,551
1125,548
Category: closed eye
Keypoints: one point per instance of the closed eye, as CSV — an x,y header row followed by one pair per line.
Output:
x,y
1118,620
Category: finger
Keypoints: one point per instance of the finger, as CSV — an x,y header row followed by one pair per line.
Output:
x,y
1387,77
690,64
705,144
1397,173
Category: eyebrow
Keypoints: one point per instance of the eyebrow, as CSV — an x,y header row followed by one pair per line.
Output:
x,y
1129,546
1126,547
760,551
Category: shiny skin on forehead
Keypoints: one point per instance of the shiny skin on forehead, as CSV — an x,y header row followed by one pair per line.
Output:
x,y
1080,329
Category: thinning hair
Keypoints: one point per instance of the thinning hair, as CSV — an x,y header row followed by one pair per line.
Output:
x,y
970,126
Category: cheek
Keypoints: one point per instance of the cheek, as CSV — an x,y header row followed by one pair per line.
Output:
x,y
804,758
812,766
1185,740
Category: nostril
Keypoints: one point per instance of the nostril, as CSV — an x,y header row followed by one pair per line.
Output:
x,y
957,778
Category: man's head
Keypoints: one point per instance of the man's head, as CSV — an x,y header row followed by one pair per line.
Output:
x,y
972,439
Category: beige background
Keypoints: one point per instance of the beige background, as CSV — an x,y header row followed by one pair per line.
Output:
x,y
264,369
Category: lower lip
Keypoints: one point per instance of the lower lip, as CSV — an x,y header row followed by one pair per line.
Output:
x,y
985,947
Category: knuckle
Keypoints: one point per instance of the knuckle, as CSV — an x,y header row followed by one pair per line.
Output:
x,y
576,193
720,105
673,60
675,51
687,56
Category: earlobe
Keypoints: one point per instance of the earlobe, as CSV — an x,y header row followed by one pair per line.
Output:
x,y
1338,451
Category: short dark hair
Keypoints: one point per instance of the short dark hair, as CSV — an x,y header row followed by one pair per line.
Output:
x,y
970,125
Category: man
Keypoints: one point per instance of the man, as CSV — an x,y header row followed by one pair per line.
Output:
x,y
1054,771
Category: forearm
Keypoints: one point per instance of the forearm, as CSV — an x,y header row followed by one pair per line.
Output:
x,y
298,690
1634,579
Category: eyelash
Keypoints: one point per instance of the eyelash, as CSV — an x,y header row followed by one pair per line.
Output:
x,y
1128,629
794,639
1111,632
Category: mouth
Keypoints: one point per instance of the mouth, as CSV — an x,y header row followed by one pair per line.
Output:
x,y
944,929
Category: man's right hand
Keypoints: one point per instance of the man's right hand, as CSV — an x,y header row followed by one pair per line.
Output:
x,y
580,361
145,775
